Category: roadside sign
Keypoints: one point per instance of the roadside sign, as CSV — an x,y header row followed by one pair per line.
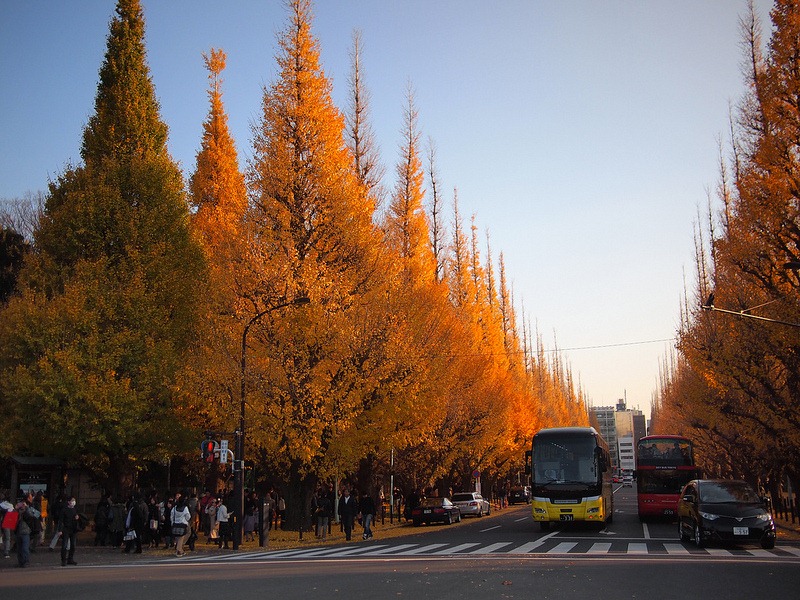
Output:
x,y
223,451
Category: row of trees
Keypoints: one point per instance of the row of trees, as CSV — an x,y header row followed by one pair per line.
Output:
x,y
735,384
122,339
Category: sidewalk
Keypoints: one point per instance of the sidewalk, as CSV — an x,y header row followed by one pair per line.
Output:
x,y
787,530
88,554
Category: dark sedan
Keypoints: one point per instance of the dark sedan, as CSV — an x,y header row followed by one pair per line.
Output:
x,y
724,511
435,510
520,494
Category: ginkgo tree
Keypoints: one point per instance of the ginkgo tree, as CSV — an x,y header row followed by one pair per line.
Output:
x,y
107,304
317,370
139,302
736,385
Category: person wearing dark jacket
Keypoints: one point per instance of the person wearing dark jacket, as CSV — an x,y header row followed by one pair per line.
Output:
x,y
366,508
348,509
101,521
68,521
323,513
135,522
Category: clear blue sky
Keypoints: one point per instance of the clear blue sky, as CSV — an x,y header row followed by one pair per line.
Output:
x,y
583,135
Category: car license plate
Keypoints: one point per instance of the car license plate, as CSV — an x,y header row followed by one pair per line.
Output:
x,y
741,531
427,511
669,511
566,517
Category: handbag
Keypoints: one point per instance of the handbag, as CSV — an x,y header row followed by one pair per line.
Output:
x,y
154,524
130,535
179,529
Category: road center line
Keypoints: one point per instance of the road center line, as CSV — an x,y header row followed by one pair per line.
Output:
x,y
490,528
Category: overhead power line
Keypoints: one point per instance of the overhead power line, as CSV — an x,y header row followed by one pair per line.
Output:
x,y
620,344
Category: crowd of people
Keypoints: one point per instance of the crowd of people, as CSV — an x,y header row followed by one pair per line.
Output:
x,y
23,526
178,521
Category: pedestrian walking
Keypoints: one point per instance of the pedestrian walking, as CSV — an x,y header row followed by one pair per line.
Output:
x,y
180,517
348,509
366,508
224,524
323,513
250,517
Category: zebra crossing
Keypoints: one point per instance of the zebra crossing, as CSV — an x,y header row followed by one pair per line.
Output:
x,y
545,547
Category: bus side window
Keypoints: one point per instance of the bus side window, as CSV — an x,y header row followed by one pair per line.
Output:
x,y
602,463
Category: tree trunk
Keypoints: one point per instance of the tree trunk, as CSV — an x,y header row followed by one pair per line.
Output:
x,y
298,501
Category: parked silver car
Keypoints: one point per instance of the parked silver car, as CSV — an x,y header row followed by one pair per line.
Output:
x,y
471,503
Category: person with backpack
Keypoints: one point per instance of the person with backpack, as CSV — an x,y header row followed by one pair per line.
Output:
x,y
27,516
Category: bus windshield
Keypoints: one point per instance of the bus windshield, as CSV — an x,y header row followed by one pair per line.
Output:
x,y
567,459
664,452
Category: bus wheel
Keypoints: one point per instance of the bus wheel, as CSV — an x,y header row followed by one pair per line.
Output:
x,y
544,525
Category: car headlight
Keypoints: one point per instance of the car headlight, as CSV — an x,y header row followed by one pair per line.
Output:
x,y
764,517
539,511
709,516
594,510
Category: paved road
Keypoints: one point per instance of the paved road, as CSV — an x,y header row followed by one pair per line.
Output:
x,y
513,533
504,556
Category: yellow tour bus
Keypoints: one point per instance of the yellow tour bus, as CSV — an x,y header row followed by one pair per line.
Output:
x,y
570,470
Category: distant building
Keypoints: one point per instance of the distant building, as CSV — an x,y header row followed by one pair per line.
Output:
x,y
608,429
622,428
627,455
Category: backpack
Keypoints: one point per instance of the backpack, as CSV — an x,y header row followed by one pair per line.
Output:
x,y
31,521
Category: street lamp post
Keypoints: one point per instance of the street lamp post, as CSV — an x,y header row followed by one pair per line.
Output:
x,y
238,480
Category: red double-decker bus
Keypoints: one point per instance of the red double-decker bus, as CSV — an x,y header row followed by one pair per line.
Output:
x,y
664,464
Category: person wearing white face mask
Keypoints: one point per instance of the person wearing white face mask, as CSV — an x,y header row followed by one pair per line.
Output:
x,y
69,528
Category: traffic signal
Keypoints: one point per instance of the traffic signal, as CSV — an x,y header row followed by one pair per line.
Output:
x,y
207,448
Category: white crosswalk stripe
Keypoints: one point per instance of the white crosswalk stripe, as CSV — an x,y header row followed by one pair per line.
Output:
x,y
490,548
550,547
600,548
676,549
457,549
420,550
525,548
562,548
